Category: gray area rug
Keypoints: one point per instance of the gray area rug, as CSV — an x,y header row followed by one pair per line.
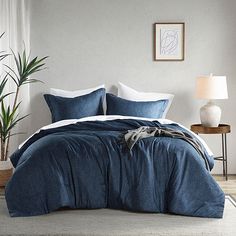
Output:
x,y
106,222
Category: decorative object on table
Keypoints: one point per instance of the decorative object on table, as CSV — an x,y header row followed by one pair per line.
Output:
x,y
211,87
169,41
9,115
222,129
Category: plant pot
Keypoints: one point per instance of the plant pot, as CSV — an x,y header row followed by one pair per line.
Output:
x,y
6,171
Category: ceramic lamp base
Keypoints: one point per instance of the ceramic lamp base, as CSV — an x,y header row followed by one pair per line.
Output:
x,y
210,115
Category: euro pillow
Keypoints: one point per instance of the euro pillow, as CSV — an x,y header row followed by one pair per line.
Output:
x,y
75,108
120,106
75,93
131,94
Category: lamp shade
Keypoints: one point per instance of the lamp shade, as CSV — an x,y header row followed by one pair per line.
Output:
x,y
211,87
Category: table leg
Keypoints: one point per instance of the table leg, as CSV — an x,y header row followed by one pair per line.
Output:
x,y
223,152
226,164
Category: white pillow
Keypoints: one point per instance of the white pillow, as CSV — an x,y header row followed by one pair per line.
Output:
x,y
133,95
72,94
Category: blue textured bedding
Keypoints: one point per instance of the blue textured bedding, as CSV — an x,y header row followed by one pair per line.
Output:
x,y
87,165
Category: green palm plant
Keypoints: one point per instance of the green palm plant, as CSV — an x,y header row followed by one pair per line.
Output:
x,y
9,115
9,119
3,54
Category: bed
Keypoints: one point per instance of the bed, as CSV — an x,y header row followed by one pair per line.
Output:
x,y
85,164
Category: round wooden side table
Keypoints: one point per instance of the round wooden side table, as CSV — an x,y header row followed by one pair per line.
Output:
x,y
222,129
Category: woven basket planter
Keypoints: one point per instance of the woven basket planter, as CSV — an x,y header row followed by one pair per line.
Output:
x,y
5,175
6,172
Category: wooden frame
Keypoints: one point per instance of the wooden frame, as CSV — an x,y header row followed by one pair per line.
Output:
x,y
169,41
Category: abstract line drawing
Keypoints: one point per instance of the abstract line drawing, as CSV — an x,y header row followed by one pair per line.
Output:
x,y
169,40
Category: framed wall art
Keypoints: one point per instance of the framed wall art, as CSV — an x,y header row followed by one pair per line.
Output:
x,y
169,41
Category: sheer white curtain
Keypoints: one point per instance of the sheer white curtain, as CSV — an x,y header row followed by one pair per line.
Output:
x,y
15,22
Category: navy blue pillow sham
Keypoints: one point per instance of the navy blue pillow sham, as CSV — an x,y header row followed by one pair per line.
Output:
x,y
75,108
120,106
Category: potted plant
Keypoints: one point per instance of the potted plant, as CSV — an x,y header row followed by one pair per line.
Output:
x,y
9,114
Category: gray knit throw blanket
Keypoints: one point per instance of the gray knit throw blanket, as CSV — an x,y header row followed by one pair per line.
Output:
x,y
132,136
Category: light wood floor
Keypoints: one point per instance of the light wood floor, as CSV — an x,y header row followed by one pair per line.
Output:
x,y
229,187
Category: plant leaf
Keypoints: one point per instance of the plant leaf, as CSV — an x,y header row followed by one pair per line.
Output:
x,y
27,67
16,82
12,71
2,34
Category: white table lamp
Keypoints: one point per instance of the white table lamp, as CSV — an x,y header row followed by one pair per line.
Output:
x,y
211,87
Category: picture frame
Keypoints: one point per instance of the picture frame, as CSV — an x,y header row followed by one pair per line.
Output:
x,y
169,41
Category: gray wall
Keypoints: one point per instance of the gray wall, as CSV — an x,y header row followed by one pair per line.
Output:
x,y
91,42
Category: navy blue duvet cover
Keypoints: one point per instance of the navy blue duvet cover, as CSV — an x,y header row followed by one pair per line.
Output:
x,y
88,165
